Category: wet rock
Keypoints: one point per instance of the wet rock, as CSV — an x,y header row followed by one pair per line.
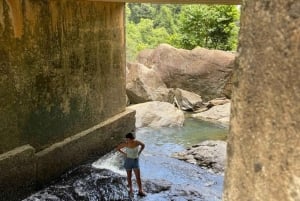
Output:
x,y
86,184
210,154
156,186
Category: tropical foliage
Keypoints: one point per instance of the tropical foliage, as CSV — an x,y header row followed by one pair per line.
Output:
x,y
182,26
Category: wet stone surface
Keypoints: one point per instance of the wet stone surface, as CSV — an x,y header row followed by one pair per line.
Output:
x,y
86,183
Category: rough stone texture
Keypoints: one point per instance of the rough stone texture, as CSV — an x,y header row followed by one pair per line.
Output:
x,y
144,84
227,90
157,114
219,114
187,101
95,141
17,173
209,154
202,71
62,69
264,142
62,88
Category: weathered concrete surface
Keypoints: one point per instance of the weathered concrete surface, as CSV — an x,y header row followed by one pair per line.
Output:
x,y
62,69
17,173
22,170
264,140
96,141
62,81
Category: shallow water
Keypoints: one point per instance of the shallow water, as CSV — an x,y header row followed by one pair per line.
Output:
x,y
105,179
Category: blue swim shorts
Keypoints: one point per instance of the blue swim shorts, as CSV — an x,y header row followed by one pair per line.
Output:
x,y
131,163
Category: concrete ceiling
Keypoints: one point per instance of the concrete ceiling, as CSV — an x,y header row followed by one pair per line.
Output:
x,y
220,2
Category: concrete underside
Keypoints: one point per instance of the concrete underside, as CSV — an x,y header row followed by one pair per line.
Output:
x,y
220,2
22,170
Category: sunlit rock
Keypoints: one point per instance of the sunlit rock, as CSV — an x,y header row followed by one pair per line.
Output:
x,y
219,114
187,101
144,84
208,154
157,114
203,71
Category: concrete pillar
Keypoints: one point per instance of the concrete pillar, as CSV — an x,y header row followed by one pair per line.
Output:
x,y
264,141
62,88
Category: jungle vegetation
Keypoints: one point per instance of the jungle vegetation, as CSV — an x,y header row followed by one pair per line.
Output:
x,y
182,26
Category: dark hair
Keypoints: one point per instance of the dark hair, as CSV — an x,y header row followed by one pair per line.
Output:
x,y
130,136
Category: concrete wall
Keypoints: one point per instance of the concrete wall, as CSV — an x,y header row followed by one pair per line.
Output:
x,y
264,141
62,88
23,170
62,69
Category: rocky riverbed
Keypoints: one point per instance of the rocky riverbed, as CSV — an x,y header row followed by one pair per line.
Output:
x,y
164,177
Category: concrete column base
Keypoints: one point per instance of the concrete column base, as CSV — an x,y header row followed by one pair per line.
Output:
x,y
22,170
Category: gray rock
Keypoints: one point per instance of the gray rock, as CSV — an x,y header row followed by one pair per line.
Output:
x,y
187,101
209,154
144,84
202,71
218,114
157,114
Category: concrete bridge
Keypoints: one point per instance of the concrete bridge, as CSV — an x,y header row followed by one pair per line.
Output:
x,y
62,93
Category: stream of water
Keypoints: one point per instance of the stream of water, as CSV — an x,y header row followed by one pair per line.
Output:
x,y
164,178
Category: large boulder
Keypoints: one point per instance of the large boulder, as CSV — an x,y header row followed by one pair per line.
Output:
x,y
144,84
202,71
157,114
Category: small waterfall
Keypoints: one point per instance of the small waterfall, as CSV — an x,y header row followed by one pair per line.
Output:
x,y
85,183
112,161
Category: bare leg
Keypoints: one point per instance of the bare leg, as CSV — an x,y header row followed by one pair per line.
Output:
x,y
129,173
138,180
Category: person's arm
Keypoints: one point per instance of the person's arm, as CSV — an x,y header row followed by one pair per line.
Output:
x,y
120,147
142,147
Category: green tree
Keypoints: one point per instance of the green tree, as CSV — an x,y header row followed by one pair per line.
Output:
x,y
209,26
188,26
164,18
151,37
133,40
141,36
140,11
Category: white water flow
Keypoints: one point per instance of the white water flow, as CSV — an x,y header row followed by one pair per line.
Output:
x,y
112,161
